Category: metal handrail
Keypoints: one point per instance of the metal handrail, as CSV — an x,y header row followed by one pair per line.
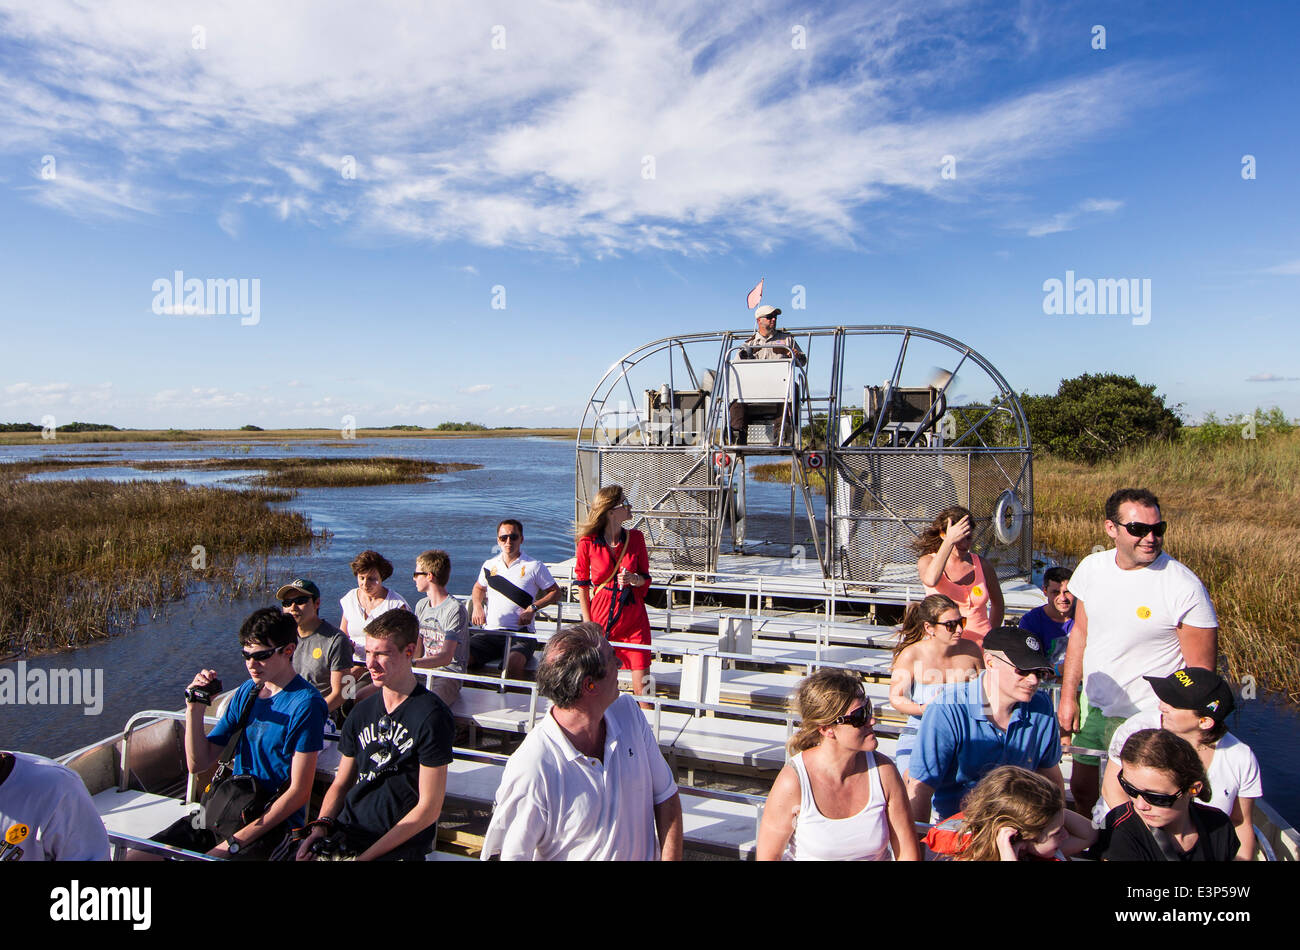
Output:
x,y
120,840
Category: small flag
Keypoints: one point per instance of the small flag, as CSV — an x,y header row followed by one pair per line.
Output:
x,y
755,295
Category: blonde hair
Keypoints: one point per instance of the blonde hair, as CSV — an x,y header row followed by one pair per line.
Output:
x,y
819,700
918,615
606,500
1008,795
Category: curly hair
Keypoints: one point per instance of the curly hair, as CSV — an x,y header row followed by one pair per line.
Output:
x,y
932,537
572,656
1012,796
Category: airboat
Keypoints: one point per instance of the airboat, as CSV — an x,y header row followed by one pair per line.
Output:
x,y
871,434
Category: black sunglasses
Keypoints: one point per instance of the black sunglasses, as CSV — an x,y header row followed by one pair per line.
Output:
x,y
508,537
952,625
294,601
1140,529
261,656
857,719
1044,674
415,574
1159,799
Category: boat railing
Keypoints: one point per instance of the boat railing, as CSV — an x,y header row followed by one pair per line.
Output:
x,y
120,842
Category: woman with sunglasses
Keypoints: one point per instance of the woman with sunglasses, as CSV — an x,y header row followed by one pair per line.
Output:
x,y
612,574
1161,775
930,655
838,798
948,566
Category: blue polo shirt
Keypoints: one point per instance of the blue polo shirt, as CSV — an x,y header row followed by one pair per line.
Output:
x,y
957,744
1048,630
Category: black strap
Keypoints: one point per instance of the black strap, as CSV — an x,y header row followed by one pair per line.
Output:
x,y
232,744
498,583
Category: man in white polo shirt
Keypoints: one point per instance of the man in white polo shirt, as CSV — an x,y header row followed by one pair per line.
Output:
x,y
1138,613
508,592
589,782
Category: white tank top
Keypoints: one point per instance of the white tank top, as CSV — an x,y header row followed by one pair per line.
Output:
x,y
863,837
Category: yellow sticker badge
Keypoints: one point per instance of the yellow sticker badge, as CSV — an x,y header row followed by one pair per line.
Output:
x,y
1144,613
976,592
521,571
317,653
16,833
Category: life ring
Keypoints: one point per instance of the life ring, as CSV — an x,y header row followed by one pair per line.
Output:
x,y
814,461
721,461
1008,517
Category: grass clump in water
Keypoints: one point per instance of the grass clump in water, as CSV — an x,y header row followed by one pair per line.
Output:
x,y
320,472
78,557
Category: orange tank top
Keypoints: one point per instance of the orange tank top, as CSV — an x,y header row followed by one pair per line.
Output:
x,y
971,599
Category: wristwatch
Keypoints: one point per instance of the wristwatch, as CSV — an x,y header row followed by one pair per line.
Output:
x,y
233,846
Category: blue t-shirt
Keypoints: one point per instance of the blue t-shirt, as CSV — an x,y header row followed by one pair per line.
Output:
x,y
957,745
1037,621
293,720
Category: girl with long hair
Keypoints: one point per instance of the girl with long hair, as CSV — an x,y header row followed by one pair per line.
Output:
x,y
1013,814
838,798
948,566
930,655
612,574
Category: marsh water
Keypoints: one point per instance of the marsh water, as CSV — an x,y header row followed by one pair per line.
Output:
x,y
531,479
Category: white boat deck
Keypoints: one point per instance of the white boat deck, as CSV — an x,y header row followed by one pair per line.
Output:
x,y
765,575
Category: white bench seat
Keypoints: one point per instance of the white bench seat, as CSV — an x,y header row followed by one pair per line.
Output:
x,y
141,814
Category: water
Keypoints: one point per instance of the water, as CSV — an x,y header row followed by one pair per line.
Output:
x,y
527,479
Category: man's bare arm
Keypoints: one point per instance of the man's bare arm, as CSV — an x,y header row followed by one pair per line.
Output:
x,y
1199,646
668,823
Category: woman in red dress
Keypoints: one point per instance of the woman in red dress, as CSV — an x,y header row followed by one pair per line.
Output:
x,y
612,575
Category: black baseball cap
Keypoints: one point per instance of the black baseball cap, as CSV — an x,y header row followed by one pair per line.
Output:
x,y
1200,690
1021,647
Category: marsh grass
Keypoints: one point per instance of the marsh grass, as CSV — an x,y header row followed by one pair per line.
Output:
x,y
319,472
79,557
1234,518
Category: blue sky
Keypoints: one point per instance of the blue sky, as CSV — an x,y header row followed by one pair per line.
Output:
x,y
506,145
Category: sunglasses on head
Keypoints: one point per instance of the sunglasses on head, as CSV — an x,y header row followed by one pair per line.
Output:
x,y
1159,799
260,656
294,601
857,719
1140,529
512,536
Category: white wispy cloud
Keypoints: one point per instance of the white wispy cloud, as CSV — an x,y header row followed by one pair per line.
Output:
x,y
688,126
1270,378
1066,220
477,388
1288,269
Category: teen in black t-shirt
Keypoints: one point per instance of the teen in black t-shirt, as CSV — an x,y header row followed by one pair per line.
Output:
x,y
1127,838
395,747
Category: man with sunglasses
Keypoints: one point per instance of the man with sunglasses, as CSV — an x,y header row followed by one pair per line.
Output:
x,y
1138,613
766,343
510,590
999,718
279,745
324,652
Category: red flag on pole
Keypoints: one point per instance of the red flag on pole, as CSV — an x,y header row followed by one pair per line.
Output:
x,y
755,295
